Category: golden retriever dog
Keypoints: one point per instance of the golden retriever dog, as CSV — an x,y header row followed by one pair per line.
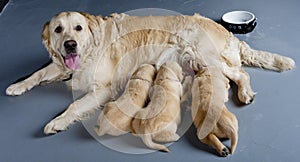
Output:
x,y
159,120
116,117
99,54
209,113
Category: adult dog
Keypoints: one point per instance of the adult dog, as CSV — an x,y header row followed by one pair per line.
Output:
x,y
100,53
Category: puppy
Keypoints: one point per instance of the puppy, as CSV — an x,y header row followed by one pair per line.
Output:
x,y
116,116
159,120
210,115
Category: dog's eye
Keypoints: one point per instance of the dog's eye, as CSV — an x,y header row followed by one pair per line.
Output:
x,y
58,29
78,28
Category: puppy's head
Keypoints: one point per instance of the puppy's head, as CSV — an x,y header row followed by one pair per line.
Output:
x,y
68,35
202,71
170,70
145,71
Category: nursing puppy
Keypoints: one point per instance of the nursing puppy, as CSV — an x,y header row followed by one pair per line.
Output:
x,y
116,117
211,117
159,120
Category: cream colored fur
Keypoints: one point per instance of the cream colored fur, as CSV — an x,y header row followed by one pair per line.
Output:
x,y
116,117
209,113
112,48
159,120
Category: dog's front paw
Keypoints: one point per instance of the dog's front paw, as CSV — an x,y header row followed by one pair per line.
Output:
x,y
56,125
246,96
17,89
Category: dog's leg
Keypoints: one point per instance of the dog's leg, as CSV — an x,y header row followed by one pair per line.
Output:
x,y
213,141
228,128
186,86
242,79
79,110
48,74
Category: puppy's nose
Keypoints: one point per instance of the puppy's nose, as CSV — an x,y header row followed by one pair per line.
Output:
x,y
70,44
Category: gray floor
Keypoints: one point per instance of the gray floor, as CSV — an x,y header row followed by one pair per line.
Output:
x,y
269,128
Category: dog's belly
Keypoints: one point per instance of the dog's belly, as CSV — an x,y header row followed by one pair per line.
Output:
x,y
145,55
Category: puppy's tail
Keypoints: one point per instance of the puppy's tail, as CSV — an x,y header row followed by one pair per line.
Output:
x,y
234,133
234,140
147,139
263,59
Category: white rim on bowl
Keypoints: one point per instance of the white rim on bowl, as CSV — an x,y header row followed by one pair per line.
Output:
x,y
238,17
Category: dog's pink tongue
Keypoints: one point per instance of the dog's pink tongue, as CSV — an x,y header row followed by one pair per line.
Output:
x,y
72,61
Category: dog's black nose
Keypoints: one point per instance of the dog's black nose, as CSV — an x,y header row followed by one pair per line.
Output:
x,y
70,44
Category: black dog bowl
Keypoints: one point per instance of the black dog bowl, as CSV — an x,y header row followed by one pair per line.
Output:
x,y
239,22
2,4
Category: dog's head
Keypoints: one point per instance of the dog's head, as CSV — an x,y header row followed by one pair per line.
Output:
x,y
68,35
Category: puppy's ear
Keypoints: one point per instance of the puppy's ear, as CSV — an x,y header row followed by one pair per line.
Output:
x,y
94,26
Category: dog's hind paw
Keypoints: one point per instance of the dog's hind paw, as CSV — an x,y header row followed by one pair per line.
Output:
x,y
225,152
246,96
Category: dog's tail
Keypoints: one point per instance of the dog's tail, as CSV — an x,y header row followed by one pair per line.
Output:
x,y
147,139
263,59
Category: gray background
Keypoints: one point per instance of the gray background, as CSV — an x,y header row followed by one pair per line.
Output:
x,y
269,128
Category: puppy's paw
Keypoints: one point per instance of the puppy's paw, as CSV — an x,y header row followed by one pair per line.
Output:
x,y
99,131
56,125
17,89
246,96
224,152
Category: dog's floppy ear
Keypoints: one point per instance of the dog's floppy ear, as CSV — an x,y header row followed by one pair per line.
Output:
x,y
47,44
46,38
94,26
46,35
